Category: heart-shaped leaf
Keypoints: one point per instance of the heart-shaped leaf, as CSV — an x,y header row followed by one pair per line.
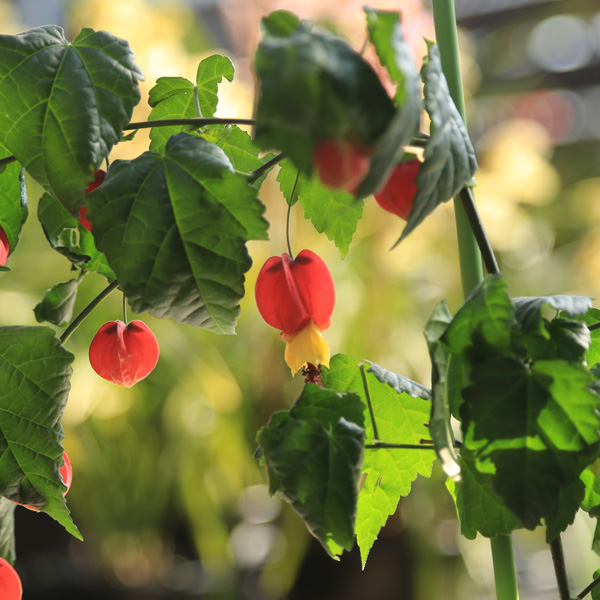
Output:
x,y
174,228
68,101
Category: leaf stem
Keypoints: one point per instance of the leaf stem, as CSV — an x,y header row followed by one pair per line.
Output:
x,y
7,160
504,568
254,175
483,242
368,397
560,570
86,311
198,122
588,589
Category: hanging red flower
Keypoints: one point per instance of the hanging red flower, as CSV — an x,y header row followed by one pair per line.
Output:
x,y
124,354
99,176
399,192
297,297
4,247
341,164
10,582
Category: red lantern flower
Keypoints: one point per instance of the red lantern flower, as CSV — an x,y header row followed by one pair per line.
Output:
x,y
4,247
10,582
341,164
399,192
297,297
124,354
99,176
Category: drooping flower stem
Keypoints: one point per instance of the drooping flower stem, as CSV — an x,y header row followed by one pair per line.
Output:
x,y
470,258
87,310
289,213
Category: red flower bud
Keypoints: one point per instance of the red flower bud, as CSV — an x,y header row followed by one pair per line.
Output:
x,y
99,176
297,297
341,164
124,354
399,192
66,472
4,247
10,582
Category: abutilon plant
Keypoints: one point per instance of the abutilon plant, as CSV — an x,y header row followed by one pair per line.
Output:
x,y
4,247
10,582
297,296
341,164
398,194
99,176
124,354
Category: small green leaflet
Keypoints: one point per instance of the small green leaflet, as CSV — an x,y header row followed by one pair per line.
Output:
x,y
57,304
178,98
174,228
450,161
314,455
68,237
14,208
69,101
401,408
313,86
31,405
333,212
385,33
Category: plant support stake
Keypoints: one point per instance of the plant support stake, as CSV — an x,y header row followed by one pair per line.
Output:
x,y
470,260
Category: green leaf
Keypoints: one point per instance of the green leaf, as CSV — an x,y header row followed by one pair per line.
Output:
x,y
528,308
551,437
439,422
174,228
401,410
479,508
14,208
595,593
176,97
313,86
591,480
280,23
34,385
314,457
68,237
483,324
592,318
450,161
7,530
333,212
385,33
64,105
561,338
57,304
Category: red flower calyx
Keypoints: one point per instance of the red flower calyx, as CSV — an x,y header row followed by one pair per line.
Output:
x,y
10,582
99,176
4,247
124,354
297,297
341,164
399,192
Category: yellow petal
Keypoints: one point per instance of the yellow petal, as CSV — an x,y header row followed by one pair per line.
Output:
x,y
307,346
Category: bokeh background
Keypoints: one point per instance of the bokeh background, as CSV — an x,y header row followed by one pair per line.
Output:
x,y
166,492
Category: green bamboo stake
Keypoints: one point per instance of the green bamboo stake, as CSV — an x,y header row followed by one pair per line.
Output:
x,y
470,259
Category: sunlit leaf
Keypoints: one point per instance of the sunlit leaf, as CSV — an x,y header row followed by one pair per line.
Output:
x,y
400,418
174,228
64,105
333,212
34,385
178,98
314,457
449,157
